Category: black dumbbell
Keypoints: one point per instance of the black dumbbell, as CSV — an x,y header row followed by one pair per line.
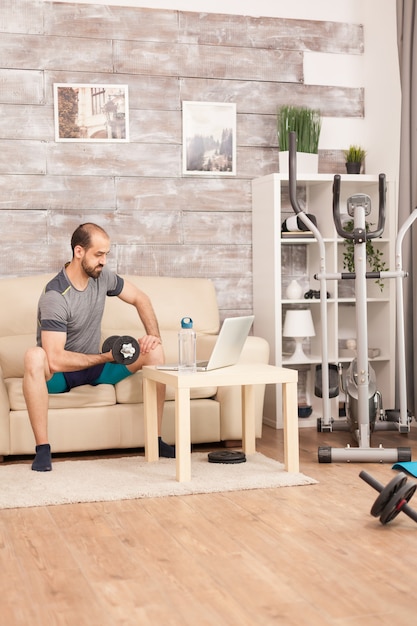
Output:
x,y
393,498
314,293
125,349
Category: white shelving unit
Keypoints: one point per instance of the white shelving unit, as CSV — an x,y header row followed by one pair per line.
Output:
x,y
277,260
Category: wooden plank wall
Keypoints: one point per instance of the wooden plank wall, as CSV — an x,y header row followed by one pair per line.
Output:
x,y
161,222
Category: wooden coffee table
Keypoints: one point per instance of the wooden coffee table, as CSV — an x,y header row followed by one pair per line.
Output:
x,y
246,376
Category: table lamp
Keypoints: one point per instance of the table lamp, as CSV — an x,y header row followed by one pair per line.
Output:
x,y
299,325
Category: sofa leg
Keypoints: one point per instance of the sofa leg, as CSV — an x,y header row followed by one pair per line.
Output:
x,y
1,458
232,443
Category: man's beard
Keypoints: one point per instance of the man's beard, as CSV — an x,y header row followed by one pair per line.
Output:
x,y
93,272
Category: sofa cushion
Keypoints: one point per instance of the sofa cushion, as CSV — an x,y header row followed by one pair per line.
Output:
x,y
169,339
19,298
79,397
12,352
129,391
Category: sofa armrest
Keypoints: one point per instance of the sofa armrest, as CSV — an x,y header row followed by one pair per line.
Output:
x,y
205,345
4,417
255,350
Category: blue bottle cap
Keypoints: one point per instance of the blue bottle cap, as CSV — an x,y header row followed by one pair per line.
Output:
x,y
186,322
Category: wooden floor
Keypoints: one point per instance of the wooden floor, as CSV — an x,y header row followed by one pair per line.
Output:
x,y
292,556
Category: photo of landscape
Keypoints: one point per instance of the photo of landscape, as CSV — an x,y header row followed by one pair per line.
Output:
x,y
209,138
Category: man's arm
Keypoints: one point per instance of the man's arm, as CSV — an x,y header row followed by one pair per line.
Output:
x,y
61,360
132,295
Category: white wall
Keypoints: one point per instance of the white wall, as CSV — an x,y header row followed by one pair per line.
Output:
x,y
343,10
376,70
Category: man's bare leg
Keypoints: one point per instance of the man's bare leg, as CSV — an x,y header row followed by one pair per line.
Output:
x,y
35,391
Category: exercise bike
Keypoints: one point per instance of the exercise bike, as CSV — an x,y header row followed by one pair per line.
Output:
x,y
363,402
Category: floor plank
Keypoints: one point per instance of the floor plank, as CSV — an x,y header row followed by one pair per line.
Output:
x,y
290,556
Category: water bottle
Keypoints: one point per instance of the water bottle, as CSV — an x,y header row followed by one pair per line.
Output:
x,y
187,347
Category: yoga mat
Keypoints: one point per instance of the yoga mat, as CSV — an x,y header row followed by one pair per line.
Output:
x,y
407,466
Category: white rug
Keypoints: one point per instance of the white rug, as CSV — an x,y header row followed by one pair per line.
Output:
x,y
125,478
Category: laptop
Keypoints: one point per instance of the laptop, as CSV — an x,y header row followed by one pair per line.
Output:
x,y
228,347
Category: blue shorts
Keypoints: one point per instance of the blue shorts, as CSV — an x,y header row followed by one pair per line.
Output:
x,y
107,374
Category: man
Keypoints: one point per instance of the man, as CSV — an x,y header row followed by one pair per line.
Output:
x,y
68,338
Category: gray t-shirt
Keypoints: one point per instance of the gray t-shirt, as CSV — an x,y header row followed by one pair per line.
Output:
x,y
62,308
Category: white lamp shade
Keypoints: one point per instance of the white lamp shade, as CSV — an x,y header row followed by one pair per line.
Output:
x,y
298,323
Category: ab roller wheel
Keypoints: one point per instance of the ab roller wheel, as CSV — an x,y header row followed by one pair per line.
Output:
x,y
393,498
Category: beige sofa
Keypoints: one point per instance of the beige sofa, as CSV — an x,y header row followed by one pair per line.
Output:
x,y
111,417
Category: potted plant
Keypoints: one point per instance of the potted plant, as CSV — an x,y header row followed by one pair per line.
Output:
x,y
354,157
306,123
374,256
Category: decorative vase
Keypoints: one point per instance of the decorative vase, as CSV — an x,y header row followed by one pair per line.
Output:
x,y
353,168
307,163
294,290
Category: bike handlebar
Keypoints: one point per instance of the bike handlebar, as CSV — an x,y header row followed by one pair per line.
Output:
x,y
370,234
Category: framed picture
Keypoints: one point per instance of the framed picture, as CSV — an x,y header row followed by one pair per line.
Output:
x,y
209,138
91,112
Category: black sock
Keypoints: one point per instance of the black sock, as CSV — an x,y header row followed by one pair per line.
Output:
x,y
165,449
42,462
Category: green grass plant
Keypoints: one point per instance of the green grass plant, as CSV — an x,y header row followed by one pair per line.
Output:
x,y
354,154
305,122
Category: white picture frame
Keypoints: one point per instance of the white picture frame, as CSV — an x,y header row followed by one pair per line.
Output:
x,y
90,112
209,138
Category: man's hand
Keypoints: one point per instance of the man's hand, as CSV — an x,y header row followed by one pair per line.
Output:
x,y
148,343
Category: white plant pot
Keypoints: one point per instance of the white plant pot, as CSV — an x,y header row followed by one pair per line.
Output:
x,y
306,163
